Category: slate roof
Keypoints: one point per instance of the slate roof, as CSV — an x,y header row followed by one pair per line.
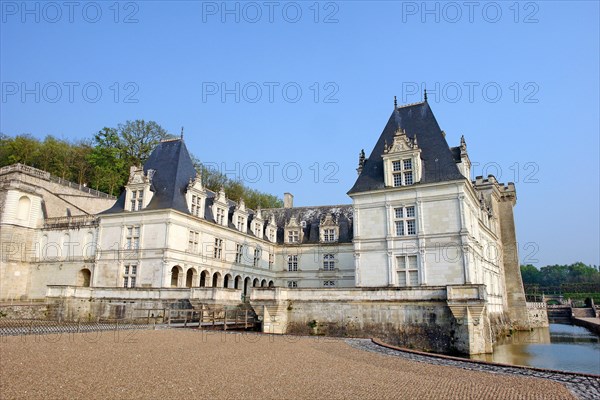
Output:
x,y
438,161
173,168
342,214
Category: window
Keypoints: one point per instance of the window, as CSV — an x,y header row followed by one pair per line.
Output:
x,y
408,270
239,250
328,262
293,236
404,221
402,172
240,224
132,240
137,199
258,230
272,235
292,263
129,276
292,284
256,256
329,235
271,257
193,241
196,205
329,283
220,216
218,250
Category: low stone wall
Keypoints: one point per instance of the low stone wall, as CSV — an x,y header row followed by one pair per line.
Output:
x,y
90,304
25,311
440,319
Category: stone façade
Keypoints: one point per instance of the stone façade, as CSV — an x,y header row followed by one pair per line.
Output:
x,y
422,251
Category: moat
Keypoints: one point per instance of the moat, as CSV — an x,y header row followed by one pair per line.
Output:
x,y
560,347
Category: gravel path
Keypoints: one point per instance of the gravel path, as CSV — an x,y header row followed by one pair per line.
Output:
x,y
190,364
584,387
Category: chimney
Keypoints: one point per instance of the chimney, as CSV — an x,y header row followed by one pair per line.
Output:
x,y
288,200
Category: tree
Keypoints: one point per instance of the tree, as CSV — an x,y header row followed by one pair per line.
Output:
x,y
138,138
109,168
531,275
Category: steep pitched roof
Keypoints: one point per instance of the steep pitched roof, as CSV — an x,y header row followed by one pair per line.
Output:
x,y
438,161
173,168
312,216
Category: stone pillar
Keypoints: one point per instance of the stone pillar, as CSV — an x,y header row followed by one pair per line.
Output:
x,y
468,304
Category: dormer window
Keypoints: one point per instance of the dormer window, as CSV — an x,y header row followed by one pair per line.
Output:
x,y
293,236
293,231
329,230
402,171
195,196
220,208
241,223
402,161
258,230
137,200
220,218
329,235
272,235
195,206
137,190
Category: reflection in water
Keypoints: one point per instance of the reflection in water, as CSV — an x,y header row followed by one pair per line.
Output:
x,y
562,347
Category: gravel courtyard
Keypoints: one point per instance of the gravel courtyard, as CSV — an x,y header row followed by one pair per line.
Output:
x,y
186,364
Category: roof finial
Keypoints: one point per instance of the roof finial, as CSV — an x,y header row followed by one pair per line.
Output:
x,y
395,103
182,133
425,94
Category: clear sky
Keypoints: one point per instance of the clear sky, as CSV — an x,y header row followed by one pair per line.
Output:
x,y
285,94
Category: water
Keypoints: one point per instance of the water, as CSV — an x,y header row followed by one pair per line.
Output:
x,y
562,347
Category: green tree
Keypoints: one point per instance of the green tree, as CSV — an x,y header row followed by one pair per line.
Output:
x,y
138,138
531,275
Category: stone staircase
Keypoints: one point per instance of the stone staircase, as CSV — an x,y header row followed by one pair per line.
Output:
x,y
584,313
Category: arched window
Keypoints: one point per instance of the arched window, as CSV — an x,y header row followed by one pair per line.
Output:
x,y
83,277
216,279
175,276
24,208
227,281
189,278
203,278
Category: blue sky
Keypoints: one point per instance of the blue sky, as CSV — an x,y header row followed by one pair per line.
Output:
x,y
285,94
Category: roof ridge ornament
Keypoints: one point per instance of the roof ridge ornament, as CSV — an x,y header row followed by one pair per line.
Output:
x,y
395,104
182,133
425,95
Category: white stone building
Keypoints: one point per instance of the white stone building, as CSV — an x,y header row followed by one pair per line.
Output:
x,y
419,233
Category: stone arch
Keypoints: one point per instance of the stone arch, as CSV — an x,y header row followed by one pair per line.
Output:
x,y
84,276
263,283
176,272
237,282
247,283
255,282
190,277
204,278
227,280
24,208
216,280
271,284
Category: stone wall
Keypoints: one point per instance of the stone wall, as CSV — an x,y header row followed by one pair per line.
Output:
x,y
74,303
538,315
426,318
